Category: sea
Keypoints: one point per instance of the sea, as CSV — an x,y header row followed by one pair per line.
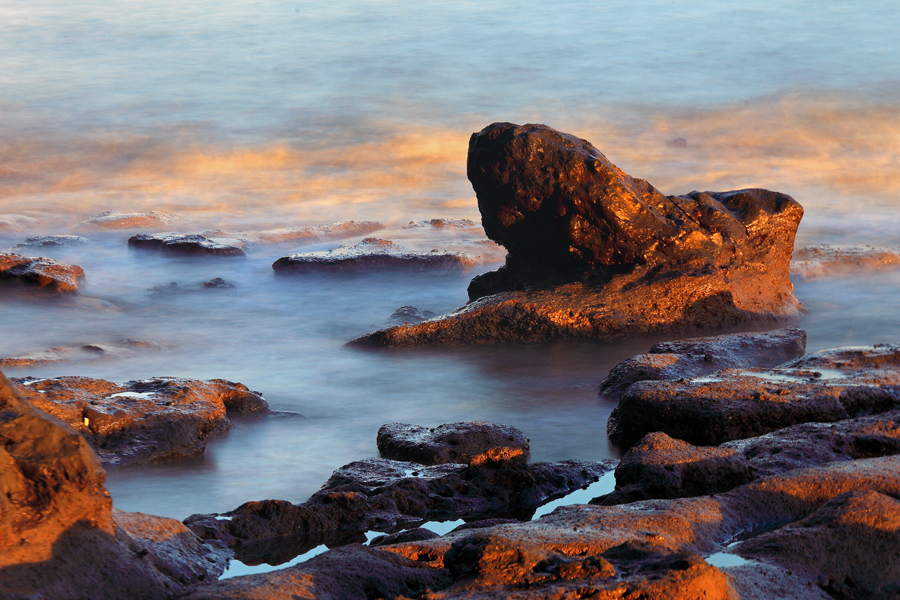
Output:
x,y
241,117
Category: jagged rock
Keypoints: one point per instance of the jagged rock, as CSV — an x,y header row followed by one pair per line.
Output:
x,y
594,253
372,254
46,274
141,420
812,262
191,245
369,496
469,442
734,404
661,467
407,535
60,538
669,361
113,220
814,444
53,241
410,314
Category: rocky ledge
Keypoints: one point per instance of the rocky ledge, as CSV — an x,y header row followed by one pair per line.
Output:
x,y
45,274
372,254
145,420
595,253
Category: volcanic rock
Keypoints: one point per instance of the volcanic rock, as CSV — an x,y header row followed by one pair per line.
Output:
x,y
189,245
469,442
46,274
113,220
740,403
60,538
594,253
661,467
694,357
372,254
142,420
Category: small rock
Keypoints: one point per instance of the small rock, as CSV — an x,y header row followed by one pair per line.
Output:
x,y
189,245
470,442
219,284
443,224
410,314
53,241
21,272
113,220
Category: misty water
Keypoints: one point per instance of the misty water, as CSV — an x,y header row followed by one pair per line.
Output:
x,y
248,116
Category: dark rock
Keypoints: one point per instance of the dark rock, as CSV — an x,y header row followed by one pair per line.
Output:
x,y
112,220
60,538
410,314
189,245
735,404
218,283
679,142
407,535
470,442
669,361
662,467
372,254
142,420
53,241
46,274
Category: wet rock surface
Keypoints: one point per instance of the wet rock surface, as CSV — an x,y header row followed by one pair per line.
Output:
x,y
143,220
60,539
145,420
373,254
740,403
694,357
594,253
53,241
19,272
184,244
470,442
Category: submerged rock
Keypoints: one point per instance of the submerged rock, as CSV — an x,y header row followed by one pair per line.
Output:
x,y
372,254
410,314
143,220
694,357
53,241
314,233
740,403
60,539
190,245
46,274
470,442
443,224
142,420
813,262
594,253
69,354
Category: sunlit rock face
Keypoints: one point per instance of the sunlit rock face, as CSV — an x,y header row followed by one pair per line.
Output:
x,y
594,253
22,273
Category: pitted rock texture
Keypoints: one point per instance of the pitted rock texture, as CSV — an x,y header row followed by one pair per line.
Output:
x,y
184,244
60,539
662,467
373,254
669,361
469,442
733,404
142,420
45,274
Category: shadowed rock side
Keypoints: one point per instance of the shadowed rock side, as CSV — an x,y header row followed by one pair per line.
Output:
x,y
740,403
45,274
669,361
142,420
60,538
471,442
594,253
186,245
372,254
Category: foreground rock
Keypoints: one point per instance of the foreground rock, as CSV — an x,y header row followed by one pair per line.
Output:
x,y
694,357
372,254
594,253
60,538
472,442
142,420
740,403
186,245
45,274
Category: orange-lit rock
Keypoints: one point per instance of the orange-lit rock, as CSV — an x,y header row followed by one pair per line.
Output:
x,y
45,274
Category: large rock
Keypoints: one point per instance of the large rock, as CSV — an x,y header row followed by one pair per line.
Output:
x,y
185,244
372,254
142,420
469,442
594,253
668,361
740,403
60,538
45,274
